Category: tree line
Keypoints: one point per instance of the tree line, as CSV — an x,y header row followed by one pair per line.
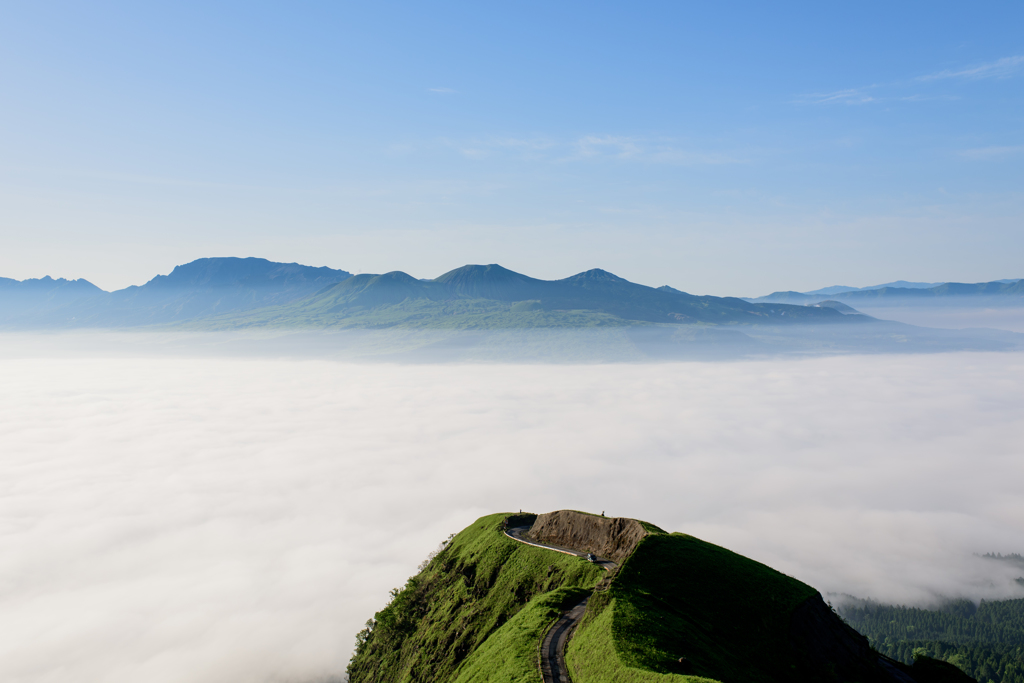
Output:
x,y
986,641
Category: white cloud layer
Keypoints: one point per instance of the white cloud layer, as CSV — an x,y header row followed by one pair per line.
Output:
x,y
206,520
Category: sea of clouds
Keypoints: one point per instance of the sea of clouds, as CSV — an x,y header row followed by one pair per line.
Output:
x,y
211,519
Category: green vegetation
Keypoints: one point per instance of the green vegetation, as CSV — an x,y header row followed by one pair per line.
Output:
x,y
457,314
492,297
594,656
986,641
512,652
680,597
679,610
472,590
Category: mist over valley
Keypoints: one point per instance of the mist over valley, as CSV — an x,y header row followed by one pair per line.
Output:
x,y
242,517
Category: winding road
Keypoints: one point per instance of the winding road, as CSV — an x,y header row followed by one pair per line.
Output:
x,y
552,650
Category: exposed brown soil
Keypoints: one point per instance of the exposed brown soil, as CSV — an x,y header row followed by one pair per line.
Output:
x,y
610,537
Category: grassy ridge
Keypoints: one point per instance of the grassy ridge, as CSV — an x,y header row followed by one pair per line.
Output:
x,y
678,596
472,590
510,654
726,613
679,610
594,658
492,297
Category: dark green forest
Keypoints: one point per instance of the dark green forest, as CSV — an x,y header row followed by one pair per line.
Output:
x,y
986,640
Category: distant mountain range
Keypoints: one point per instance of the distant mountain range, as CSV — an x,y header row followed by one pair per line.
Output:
x,y
243,293
839,289
476,312
196,290
902,292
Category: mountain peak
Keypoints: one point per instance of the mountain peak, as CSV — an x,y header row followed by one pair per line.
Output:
x,y
229,271
395,277
488,282
597,274
491,271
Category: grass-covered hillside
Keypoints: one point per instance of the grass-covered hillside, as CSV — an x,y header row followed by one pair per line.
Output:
x,y
683,607
677,610
477,612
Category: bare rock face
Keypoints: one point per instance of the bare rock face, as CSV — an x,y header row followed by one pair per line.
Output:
x,y
610,537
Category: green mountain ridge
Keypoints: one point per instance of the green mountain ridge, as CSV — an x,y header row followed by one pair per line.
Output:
x,y
475,313
489,297
677,610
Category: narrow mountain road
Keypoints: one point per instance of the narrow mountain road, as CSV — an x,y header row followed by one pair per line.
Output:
x,y
516,534
552,650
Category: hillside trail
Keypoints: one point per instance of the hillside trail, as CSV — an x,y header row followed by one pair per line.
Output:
x,y
552,650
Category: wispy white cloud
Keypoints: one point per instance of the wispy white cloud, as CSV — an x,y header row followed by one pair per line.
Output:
x,y
993,152
524,143
482,149
475,152
684,157
928,98
1001,68
848,96
645,150
595,148
889,92
607,145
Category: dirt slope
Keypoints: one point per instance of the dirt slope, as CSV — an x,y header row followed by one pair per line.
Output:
x,y
610,537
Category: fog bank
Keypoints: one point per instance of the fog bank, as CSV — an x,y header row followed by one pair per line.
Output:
x,y
1000,315
201,520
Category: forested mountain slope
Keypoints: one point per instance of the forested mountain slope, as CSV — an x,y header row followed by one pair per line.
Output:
x,y
494,297
985,640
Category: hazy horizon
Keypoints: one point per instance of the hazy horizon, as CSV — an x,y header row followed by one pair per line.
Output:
x,y
699,290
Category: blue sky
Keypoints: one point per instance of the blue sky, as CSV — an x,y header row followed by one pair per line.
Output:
x,y
725,148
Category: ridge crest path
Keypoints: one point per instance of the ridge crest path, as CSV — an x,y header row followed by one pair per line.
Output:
x,y
552,652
